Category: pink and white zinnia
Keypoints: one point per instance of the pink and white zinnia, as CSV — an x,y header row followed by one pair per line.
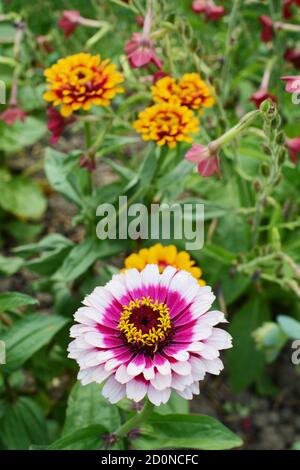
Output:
x,y
147,334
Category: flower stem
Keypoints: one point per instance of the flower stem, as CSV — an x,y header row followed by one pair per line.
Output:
x,y
229,45
135,421
234,131
88,138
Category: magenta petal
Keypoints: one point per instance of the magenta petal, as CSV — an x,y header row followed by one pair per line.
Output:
x,y
209,166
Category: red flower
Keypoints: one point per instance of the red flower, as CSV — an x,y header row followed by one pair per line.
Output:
x,y
212,12
57,123
261,95
293,146
208,164
292,83
12,114
268,30
69,21
140,51
286,8
293,56
88,163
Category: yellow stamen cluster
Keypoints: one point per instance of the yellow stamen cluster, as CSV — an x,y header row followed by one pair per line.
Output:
x,y
190,90
164,256
167,123
156,334
80,81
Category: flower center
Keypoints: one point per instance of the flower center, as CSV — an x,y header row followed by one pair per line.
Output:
x,y
145,323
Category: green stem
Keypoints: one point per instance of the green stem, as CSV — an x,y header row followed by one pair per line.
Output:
x,y
235,130
228,48
135,421
88,137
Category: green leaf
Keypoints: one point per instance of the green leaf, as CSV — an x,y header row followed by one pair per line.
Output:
x,y
66,176
21,196
23,424
87,406
88,438
11,265
245,362
290,326
182,431
21,134
27,336
147,169
55,241
13,300
84,255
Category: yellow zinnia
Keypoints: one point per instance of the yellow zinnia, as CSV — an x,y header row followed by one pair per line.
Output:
x,y
164,256
190,91
80,81
167,124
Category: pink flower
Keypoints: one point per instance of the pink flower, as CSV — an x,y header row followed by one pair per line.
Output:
x,y
293,146
293,56
140,51
212,12
208,163
261,95
69,21
292,83
12,114
57,123
147,334
267,31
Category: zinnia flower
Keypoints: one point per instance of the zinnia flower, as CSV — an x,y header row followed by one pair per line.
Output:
x,y
80,81
167,124
164,256
12,114
190,91
147,334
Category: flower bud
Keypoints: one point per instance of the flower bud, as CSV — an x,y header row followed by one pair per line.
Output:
x,y
280,138
265,169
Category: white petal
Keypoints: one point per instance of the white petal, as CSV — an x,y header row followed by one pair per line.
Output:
x,y
160,382
136,390
122,376
219,339
158,397
95,339
113,390
182,368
